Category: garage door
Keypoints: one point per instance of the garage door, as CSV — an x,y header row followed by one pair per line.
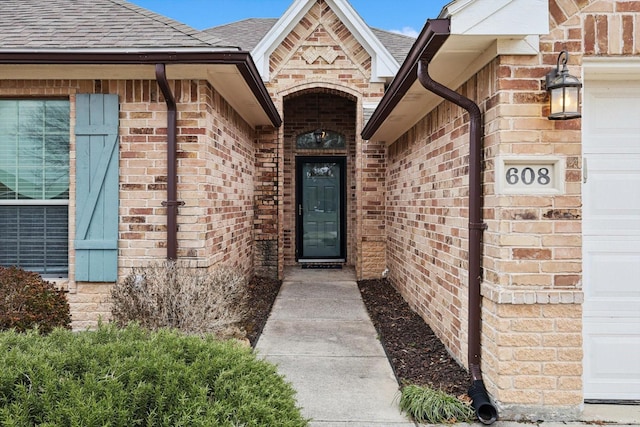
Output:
x,y
611,239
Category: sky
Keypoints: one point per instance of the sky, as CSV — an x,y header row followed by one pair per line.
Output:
x,y
401,16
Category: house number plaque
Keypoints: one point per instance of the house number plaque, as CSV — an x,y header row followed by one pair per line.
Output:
x,y
530,175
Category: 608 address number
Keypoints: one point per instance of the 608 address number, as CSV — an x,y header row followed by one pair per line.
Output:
x,y
528,176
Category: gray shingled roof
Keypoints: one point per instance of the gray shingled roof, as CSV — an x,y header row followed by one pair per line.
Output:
x,y
398,45
247,33
92,24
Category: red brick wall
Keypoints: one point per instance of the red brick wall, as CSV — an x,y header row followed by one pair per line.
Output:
x,y
216,161
532,263
426,221
305,112
320,54
267,203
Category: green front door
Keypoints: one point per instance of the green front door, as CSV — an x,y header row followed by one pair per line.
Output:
x,y
320,208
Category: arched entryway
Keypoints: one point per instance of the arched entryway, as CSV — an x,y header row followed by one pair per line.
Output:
x,y
319,143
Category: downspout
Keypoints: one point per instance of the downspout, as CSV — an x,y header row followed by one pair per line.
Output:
x,y
172,173
485,410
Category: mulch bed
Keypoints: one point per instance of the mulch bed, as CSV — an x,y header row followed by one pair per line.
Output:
x,y
262,295
416,354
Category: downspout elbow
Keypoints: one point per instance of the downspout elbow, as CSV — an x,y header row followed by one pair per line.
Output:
x,y
172,173
486,412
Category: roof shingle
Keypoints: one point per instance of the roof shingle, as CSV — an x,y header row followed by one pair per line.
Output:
x,y
93,24
247,33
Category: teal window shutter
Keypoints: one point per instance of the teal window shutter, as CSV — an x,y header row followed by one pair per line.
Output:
x,y
96,241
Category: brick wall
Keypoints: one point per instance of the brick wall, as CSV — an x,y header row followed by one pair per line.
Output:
x,y
305,112
532,263
532,259
371,190
267,203
321,56
216,159
426,224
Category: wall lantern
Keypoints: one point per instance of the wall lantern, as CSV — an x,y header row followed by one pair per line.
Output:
x,y
564,91
319,135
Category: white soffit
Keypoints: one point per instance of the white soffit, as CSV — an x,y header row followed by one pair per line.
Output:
x,y
228,81
480,31
483,29
498,17
384,65
225,78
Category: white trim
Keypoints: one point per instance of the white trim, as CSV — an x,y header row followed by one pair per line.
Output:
x,y
498,17
555,163
610,68
277,34
383,64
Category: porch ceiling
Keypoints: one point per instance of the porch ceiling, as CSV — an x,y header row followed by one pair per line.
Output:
x,y
477,33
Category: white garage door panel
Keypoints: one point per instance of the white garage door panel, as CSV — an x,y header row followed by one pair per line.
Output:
x,y
614,117
611,239
607,268
612,362
613,204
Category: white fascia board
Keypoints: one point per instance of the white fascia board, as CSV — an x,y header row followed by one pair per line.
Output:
x,y
610,68
498,17
383,64
277,34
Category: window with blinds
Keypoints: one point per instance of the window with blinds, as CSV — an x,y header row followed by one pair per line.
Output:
x,y
34,185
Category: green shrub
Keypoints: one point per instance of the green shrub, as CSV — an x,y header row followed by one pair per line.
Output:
x,y
134,377
429,406
172,295
27,301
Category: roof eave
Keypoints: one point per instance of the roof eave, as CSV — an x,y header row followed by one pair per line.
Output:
x,y
218,56
430,40
479,31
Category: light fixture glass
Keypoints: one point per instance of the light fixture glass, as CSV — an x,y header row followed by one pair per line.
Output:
x,y
564,91
319,135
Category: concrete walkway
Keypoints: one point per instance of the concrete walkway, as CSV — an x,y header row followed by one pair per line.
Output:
x,y
320,336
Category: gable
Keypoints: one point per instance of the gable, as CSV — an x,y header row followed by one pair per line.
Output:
x,y
322,42
297,24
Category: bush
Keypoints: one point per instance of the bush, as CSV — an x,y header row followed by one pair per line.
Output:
x,y
171,295
429,406
134,377
27,301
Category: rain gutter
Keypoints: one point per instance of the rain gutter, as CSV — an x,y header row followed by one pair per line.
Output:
x,y
241,59
160,58
422,53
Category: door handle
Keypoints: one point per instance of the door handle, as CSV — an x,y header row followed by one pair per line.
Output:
x,y
584,170
300,210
